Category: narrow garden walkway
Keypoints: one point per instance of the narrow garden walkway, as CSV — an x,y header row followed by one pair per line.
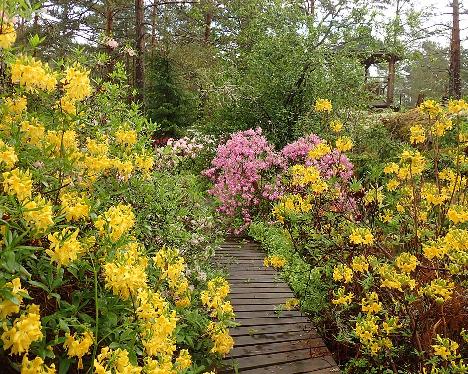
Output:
x,y
268,340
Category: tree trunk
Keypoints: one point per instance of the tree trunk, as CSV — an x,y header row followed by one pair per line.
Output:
x,y
109,19
455,53
208,19
154,17
140,49
310,7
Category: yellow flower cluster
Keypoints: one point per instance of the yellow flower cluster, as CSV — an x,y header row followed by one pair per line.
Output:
x,y
74,206
78,346
336,125
16,105
19,183
126,137
110,361
8,307
446,349
342,298
8,155
277,262
323,105
344,143
126,274
361,235
439,289
343,273
117,221
64,247
39,213
223,342
7,34
457,106
215,298
26,329
371,335
319,151
291,303
418,134
36,366
457,214
172,267
370,304
33,74
308,176
291,204
431,107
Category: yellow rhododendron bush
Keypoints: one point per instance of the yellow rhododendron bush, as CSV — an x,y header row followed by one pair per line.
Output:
x,y
395,260
80,287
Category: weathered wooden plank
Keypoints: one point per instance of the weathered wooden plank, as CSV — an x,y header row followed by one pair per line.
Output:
x,y
262,287
272,321
266,314
245,364
270,301
273,337
253,350
270,329
251,294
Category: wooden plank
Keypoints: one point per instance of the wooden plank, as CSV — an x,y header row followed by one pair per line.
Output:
x,y
252,295
270,329
257,308
272,321
266,314
304,366
269,301
261,287
279,358
273,337
254,350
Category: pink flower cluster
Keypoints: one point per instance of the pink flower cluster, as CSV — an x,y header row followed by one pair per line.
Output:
x,y
247,171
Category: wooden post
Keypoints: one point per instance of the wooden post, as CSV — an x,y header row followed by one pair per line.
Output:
x,y
391,80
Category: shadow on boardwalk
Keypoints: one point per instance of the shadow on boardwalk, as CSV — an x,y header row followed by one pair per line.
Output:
x,y
268,340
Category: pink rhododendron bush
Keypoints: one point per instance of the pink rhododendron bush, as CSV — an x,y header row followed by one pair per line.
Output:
x,y
248,173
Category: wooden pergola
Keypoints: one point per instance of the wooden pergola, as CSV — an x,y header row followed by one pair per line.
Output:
x,y
387,86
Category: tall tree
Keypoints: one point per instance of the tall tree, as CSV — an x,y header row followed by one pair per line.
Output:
x,y
455,53
140,48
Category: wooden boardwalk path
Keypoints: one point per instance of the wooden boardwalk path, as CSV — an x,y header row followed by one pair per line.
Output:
x,y
267,340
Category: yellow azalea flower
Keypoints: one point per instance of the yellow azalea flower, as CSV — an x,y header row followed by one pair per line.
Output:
x,y
439,289
7,34
360,264
319,151
370,304
392,184
291,303
78,346
406,262
344,143
74,206
431,108
184,360
25,330
277,262
440,127
323,105
457,106
341,298
336,125
16,105
222,341
39,213
32,74
36,366
417,134
19,183
361,235
126,137
342,273
391,168
64,247
7,307
387,216
33,132
8,155
66,105
76,83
